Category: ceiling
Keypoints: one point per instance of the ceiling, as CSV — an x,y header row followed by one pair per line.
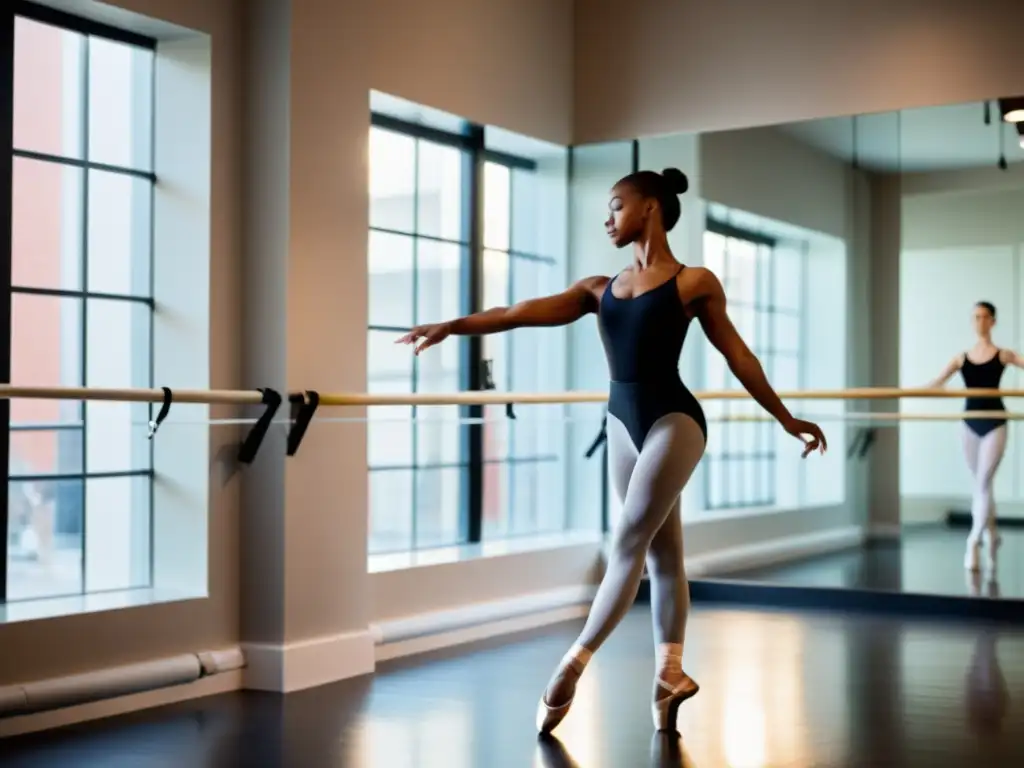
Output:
x,y
915,140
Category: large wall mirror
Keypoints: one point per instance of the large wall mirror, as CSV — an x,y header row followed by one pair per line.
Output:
x,y
855,252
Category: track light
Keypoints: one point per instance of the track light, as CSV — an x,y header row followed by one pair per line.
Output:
x,y
1012,109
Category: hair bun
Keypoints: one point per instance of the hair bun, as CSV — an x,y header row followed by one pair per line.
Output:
x,y
676,179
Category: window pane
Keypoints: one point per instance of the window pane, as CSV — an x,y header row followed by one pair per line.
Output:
x,y
786,331
389,370
45,452
392,180
537,217
496,497
714,249
48,103
439,278
752,470
785,372
117,356
44,539
497,206
716,498
46,343
741,271
120,104
439,191
46,351
117,522
119,252
390,510
438,492
764,275
46,220
524,502
390,264
788,262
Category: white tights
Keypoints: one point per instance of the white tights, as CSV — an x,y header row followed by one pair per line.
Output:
x,y
983,457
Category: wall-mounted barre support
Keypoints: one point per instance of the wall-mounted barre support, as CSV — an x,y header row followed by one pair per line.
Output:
x,y
165,408
251,445
304,405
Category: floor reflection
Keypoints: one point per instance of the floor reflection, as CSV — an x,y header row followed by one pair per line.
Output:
x,y
667,751
777,689
926,559
988,696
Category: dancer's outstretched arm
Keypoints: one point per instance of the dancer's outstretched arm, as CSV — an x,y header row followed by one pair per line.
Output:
x,y
711,311
951,368
562,308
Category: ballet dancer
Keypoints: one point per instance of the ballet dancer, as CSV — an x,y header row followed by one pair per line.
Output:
x,y
656,428
984,439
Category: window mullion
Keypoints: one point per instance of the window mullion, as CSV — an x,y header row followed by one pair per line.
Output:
x,y
473,209
6,185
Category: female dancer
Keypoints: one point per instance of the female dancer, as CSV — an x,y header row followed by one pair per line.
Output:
x,y
984,439
656,429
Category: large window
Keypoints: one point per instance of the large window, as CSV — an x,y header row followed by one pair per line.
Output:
x,y
763,284
453,231
79,308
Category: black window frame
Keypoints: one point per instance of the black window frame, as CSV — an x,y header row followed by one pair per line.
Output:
x,y
470,139
764,348
89,29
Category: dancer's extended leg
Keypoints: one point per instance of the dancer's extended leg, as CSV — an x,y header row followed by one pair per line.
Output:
x,y
654,478
984,454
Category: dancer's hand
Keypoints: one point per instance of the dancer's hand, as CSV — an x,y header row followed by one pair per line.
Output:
x,y
431,335
799,429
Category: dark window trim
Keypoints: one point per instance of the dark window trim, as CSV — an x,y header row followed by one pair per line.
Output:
x,y
470,139
472,460
718,461
46,15
91,29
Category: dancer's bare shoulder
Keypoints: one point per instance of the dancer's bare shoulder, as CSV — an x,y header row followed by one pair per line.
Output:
x,y
698,285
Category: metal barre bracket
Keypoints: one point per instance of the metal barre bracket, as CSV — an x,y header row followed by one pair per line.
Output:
x,y
861,443
165,409
251,445
601,439
304,405
487,375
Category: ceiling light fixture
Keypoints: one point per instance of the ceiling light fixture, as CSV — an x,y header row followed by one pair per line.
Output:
x,y
1012,109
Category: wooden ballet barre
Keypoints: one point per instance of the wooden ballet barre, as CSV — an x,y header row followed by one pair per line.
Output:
x,y
855,416
553,398
200,396
252,396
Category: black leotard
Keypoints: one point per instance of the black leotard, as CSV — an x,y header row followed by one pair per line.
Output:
x,y
643,338
983,376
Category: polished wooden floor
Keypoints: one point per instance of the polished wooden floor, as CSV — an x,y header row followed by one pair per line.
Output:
x,y
925,560
778,689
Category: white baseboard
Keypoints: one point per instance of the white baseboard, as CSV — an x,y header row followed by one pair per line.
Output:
x,y
440,629
308,663
773,551
95,710
427,643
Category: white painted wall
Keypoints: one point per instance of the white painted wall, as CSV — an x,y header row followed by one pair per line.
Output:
x,y
959,247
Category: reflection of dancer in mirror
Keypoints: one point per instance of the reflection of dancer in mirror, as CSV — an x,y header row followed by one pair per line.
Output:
x,y
656,428
984,439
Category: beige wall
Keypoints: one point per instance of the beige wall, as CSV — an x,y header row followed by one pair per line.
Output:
x,y
689,65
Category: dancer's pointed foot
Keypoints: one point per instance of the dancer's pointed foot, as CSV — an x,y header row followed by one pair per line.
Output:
x,y
672,687
554,704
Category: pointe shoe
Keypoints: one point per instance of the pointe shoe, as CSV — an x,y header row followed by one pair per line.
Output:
x,y
971,556
992,541
664,711
548,717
